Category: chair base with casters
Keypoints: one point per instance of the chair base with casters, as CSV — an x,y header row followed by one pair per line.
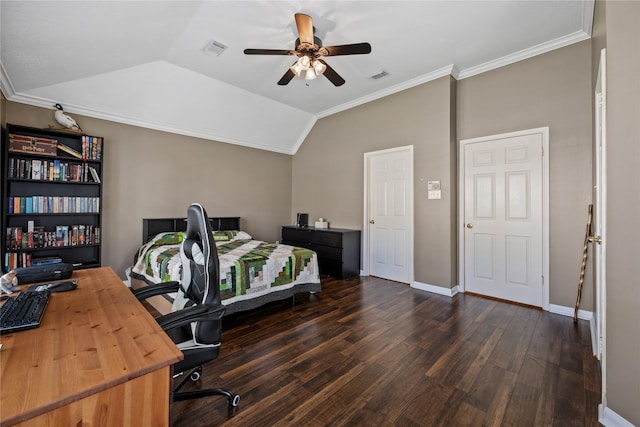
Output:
x,y
194,373
232,398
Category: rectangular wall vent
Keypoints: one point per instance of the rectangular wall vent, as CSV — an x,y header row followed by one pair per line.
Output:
x,y
215,47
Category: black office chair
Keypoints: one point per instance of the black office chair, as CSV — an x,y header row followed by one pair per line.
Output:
x,y
195,322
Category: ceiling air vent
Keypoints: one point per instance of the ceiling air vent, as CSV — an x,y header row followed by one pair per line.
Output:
x,y
215,47
380,75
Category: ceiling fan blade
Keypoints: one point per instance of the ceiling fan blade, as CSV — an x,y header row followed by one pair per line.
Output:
x,y
346,49
288,76
305,28
269,52
331,74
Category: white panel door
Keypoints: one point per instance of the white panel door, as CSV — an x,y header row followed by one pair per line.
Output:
x,y
503,215
390,206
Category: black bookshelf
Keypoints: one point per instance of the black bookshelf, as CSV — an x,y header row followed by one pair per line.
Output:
x,y
51,197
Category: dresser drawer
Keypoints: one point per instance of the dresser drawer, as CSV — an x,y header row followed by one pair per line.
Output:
x,y
328,252
327,238
296,234
331,268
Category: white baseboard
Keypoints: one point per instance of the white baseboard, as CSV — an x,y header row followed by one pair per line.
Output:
x,y
568,311
435,289
609,418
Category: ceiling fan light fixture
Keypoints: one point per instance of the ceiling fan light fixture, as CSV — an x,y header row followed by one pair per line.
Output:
x,y
304,62
296,69
318,67
310,74
310,68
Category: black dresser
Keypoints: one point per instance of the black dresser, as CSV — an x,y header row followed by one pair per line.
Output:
x,y
338,249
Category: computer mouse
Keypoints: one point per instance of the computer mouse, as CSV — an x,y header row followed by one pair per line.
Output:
x,y
68,285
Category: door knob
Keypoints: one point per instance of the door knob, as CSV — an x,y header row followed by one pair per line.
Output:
x,y
469,225
372,221
594,239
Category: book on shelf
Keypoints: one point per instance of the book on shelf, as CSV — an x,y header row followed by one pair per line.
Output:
x,y
91,147
13,260
74,235
70,150
62,235
82,237
39,170
53,204
36,172
56,170
14,238
46,261
94,174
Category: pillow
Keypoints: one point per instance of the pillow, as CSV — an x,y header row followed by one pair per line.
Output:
x,y
163,239
230,236
242,235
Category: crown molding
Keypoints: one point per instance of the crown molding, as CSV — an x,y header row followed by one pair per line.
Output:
x,y
88,112
442,72
588,10
457,74
303,135
5,84
539,49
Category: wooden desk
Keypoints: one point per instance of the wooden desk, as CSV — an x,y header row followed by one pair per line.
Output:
x,y
97,359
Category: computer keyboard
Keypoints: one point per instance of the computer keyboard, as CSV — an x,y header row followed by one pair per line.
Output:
x,y
23,311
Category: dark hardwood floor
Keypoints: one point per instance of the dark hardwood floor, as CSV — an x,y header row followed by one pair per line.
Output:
x,y
370,352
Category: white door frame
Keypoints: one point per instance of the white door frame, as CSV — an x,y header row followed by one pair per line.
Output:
x,y
600,249
365,211
544,132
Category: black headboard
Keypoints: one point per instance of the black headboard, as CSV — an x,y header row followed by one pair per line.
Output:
x,y
153,226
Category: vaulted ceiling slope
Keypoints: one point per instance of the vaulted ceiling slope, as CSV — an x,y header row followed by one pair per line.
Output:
x,y
148,63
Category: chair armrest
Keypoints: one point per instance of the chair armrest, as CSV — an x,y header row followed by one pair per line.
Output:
x,y
153,290
188,315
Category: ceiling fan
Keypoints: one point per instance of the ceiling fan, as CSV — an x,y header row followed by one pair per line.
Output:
x,y
310,51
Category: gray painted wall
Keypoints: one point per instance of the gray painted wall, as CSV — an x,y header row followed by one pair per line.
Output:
x,y
620,34
328,170
152,174
547,90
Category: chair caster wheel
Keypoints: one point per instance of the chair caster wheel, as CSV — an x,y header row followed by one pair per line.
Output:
x,y
234,401
195,375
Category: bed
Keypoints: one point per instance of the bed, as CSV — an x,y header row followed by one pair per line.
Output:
x,y
252,272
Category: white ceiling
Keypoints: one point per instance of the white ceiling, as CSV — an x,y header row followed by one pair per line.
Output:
x,y
144,62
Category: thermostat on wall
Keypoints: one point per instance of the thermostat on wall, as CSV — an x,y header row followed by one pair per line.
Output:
x,y
433,190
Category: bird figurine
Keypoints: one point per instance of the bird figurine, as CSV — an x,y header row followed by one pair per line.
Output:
x,y
65,120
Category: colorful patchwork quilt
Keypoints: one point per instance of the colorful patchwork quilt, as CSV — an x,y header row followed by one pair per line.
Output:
x,y
248,267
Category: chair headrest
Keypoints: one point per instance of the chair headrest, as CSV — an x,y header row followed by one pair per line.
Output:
x,y
200,280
